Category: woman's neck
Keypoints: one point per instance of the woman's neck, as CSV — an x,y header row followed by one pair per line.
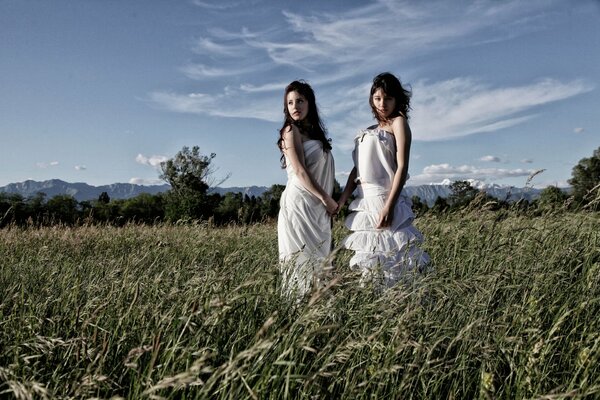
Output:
x,y
386,126
303,125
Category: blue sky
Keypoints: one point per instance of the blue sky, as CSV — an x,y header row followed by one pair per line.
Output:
x,y
102,91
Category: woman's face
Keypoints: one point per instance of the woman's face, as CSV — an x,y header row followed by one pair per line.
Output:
x,y
297,106
384,104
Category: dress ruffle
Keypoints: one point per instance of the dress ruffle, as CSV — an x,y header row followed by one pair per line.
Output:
x,y
365,213
391,253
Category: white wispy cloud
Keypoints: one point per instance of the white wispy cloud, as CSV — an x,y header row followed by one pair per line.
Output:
x,y
579,130
144,181
439,172
324,41
153,161
527,161
80,167
209,46
201,71
220,105
268,87
490,158
463,106
452,108
349,37
44,165
218,5
334,49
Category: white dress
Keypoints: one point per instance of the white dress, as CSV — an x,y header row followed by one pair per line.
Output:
x,y
384,254
303,225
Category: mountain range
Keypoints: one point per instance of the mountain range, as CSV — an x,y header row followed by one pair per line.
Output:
x,y
82,191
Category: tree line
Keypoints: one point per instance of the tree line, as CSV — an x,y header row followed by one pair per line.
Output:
x,y
190,176
144,208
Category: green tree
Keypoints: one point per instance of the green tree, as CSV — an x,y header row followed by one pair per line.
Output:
x,y
250,212
440,205
229,208
190,175
104,198
36,207
585,179
63,208
462,193
188,170
270,201
552,198
144,207
105,212
418,206
12,209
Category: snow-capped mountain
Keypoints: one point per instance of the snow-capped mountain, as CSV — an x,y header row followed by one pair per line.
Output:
x,y
79,190
82,191
429,193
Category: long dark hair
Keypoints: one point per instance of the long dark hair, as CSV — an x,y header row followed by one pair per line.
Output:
x,y
392,87
311,126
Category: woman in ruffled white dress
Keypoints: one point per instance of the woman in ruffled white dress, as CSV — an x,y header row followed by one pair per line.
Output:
x,y
304,222
384,240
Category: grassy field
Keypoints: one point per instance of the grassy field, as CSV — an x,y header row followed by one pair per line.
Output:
x,y
192,312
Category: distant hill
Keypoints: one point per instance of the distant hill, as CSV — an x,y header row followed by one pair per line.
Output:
x,y
79,190
82,191
429,193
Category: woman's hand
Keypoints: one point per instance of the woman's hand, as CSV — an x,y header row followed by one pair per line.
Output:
x,y
386,217
331,205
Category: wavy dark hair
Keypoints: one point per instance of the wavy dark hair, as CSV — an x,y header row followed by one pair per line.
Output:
x,y
392,87
311,126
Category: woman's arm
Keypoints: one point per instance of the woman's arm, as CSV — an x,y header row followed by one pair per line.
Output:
x,y
294,152
402,134
348,189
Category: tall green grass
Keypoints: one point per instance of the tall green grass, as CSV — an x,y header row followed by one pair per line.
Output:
x,y
194,312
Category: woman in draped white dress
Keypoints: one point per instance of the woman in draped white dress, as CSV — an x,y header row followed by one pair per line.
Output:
x,y
304,222
384,240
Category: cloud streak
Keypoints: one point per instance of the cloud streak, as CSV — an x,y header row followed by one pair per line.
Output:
x,y
219,105
331,50
145,182
490,158
44,165
442,172
464,106
324,42
153,161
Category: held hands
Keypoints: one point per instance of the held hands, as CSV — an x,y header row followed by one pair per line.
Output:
x,y
331,205
342,201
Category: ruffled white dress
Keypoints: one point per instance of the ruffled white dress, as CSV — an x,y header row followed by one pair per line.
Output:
x,y
303,225
386,255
